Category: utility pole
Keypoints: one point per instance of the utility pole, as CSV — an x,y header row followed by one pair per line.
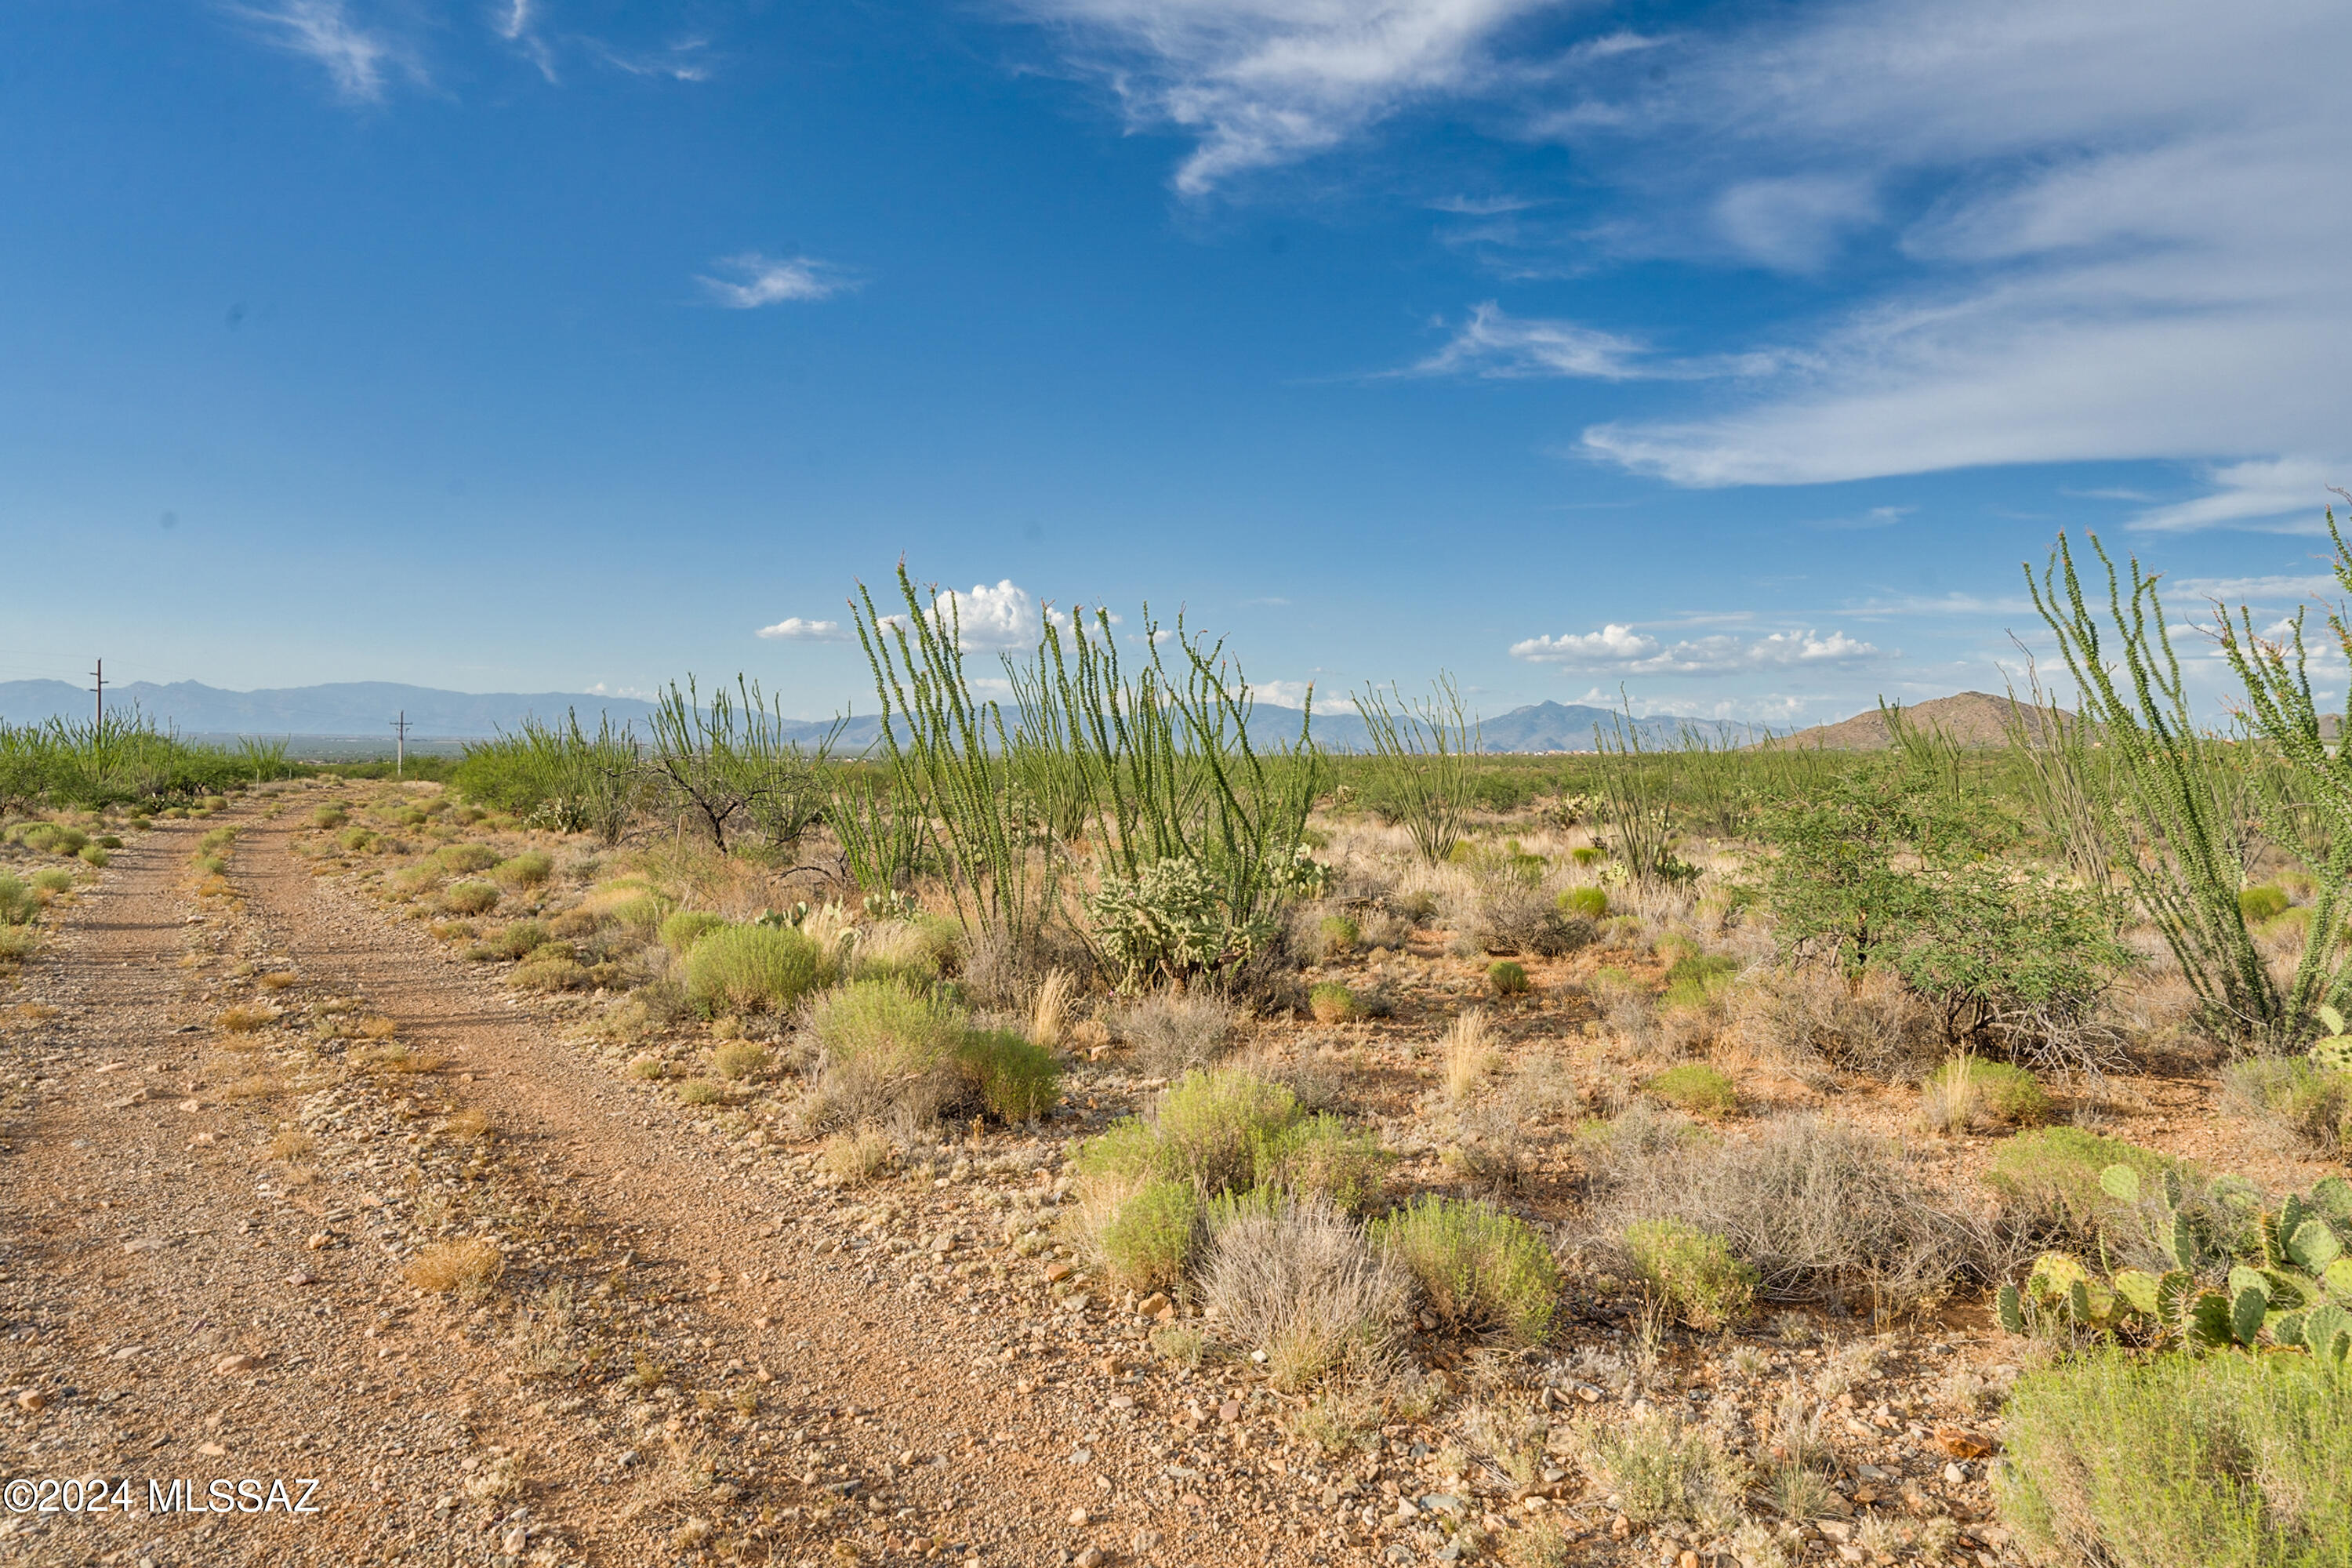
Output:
x,y
99,676
400,762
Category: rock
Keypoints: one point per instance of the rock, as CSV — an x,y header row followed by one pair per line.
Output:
x,y
32,1399
1954,1476
1144,1540
1619,1528
212,1450
1078,1516
1852,1553
299,1278
1688,1558
1960,1443
1230,1411
1835,1529
515,1541
1093,1557
318,1239
1057,1272
234,1365
1154,1305
1110,1367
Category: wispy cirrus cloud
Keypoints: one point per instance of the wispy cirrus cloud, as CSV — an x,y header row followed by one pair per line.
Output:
x,y
355,58
756,280
1624,650
1493,343
1264,82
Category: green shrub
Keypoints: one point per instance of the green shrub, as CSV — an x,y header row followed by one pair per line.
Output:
x,y
109,841
1505,978
1481,1269
53,879
465,858
356,840
94,856
1323,1156
1969,1088
215,802
18,903
643,912
2178,1461
2055,1171
1013,1080
684,929
753,969
895,1029
17,941
518,939
1339,933
1696,978
739,1058
470,898
329,816
2260,904
1696,1276
1151,1235
1696,1087
549,970
210,865
1331,1002
1592,903
528,870
2309,1104
1211,1125
701,1091
217,841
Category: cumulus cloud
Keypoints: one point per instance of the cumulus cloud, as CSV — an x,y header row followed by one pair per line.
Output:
x,y
1264,82
757,281
793,628
1622,649
1005,618
355,58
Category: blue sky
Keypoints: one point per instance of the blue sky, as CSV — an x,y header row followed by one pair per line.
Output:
x,y
1732,355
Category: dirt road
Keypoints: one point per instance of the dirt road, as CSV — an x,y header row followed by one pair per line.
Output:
x,y
237,1111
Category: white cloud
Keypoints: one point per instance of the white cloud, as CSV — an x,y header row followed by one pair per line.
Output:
x,y
1497,345
1005,618
513,20
766,281
1281,693
793,628
1263,82
1624,650
682,61
2132,261
2271,590
355,58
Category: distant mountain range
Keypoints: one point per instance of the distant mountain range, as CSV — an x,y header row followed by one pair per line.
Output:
x,y
365,709
1968,718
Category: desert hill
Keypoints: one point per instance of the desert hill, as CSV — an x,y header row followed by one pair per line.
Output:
x,y
1971,717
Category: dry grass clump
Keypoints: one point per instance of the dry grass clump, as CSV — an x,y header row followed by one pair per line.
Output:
x,y
245,1018
470,1267
855,1157
1661,1471
1173,1032
549,970
375,1027
394,1057
1049,1015
1808,1015
276,980
470,1123
1817,1208
1297,1279
291,1143
1969,1091
1469,1059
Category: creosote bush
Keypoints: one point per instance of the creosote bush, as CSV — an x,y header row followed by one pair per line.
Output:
x,y
1147,1238
1505,978
1695,1275
2053,1172
470,898
2176,1461
1590,903
753,969
1480,1269
529,869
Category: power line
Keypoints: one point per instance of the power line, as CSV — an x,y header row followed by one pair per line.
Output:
x,y
400,762
99,676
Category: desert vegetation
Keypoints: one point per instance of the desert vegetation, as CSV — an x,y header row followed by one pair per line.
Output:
x,y
1726,1134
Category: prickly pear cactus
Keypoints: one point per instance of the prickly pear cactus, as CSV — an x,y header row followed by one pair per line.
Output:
x,y
2332,1052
